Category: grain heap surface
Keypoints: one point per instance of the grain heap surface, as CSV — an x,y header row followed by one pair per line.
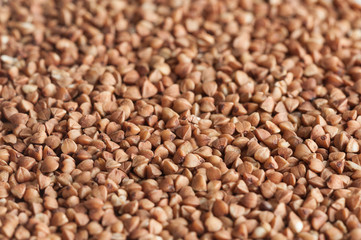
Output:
x,y
180,119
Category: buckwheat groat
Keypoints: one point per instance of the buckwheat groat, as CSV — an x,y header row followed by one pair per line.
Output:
x,y
180,119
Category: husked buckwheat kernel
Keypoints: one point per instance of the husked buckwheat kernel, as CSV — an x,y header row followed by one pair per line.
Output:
x,y
180,119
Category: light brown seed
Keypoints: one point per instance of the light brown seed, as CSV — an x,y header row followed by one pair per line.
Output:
x,y
133,93
213,224
335,182
148,89
68,146
295,223
192,161
209,88
220,208
250,200
268,104
59,219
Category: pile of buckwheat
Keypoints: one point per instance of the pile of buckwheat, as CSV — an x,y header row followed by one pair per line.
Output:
x,y
180,119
